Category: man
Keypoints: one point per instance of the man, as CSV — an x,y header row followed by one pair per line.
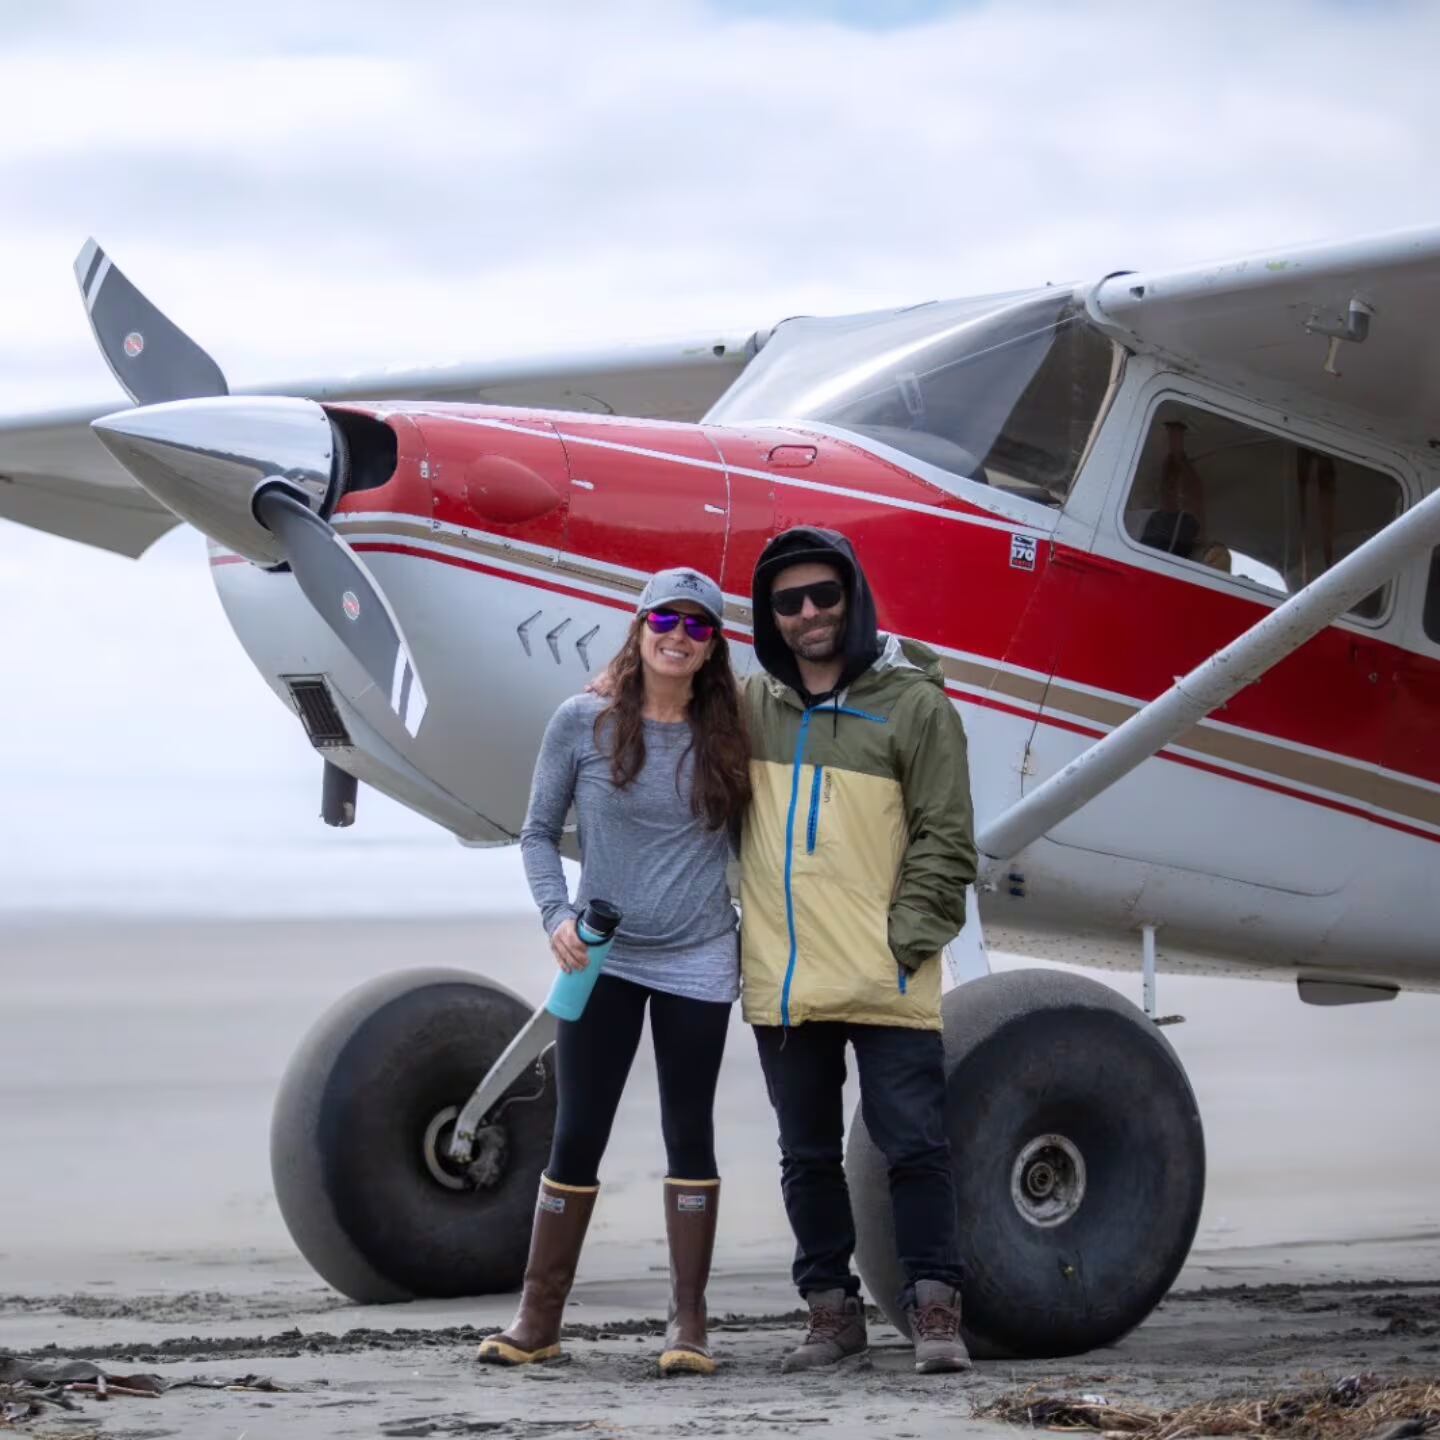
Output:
x,y
855,855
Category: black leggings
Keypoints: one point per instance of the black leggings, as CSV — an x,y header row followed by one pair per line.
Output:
x,y
593,1057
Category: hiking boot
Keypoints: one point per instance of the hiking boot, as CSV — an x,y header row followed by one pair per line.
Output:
x,y
836,1332
935,1326
691,1211
562,1215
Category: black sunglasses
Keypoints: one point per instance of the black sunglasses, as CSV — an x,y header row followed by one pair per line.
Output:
x,y
823,595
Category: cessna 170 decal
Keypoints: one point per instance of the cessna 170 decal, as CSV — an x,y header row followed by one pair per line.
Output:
x,y
1172,534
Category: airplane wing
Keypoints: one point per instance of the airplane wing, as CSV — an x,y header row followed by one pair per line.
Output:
x,y
55,475
1346,328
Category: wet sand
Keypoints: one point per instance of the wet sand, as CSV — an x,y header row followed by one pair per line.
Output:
x,y
137,1065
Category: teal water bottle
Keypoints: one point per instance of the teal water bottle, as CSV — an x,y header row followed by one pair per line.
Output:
x,y
596,926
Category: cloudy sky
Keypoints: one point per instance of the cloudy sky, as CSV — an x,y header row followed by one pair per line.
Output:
x,y
333,187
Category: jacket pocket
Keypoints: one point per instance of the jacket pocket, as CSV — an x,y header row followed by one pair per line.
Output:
x,y
845,970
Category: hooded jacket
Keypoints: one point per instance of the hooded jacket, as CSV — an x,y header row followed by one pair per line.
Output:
x,y
859,841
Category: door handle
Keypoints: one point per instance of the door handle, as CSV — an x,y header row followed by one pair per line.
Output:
x,y
1086,561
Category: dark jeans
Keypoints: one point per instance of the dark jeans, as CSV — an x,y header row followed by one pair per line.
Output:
x,y
593,1056
902,1098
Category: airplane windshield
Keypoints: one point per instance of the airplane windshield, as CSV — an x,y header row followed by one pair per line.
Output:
x,y
1006,391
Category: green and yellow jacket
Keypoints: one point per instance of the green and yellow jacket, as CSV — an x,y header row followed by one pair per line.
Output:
x,y
859,841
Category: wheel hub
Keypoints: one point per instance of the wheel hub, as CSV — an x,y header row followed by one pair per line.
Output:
x,y
1047,1181
436,1150
488,1162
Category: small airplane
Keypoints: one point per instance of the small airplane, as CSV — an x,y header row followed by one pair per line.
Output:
x,y
1173,534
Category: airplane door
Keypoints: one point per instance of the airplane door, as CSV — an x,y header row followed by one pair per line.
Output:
x,y
1219,521
644,498
752,523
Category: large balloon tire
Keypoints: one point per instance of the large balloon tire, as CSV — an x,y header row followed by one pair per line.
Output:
x,y
347,1134
1028,1055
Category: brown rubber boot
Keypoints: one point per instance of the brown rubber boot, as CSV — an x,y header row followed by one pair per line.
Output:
x,y
692,1208
836,1332
562,1215
935,1326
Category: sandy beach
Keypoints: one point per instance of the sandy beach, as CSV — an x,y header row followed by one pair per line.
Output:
x,y
137,1227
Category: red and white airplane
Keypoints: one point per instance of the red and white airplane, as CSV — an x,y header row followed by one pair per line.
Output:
x,y
1173,535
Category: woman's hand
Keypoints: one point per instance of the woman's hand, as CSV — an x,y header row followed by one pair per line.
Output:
x,y
570,951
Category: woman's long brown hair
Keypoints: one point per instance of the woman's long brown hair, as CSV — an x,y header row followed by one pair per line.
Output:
x,y
720,791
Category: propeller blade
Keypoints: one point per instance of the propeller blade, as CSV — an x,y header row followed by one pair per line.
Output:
x,y
152,358
340,587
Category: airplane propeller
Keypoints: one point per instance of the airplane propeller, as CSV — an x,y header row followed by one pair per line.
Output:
x,y
259,475
152,358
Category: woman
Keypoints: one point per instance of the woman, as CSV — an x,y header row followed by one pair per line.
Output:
x,y
658,774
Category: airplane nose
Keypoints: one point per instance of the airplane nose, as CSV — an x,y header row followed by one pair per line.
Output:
x,y
206,459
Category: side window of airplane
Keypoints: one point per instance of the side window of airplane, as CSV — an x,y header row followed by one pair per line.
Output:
x,y
1264,508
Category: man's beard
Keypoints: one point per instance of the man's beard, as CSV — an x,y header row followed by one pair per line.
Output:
x,y
830,636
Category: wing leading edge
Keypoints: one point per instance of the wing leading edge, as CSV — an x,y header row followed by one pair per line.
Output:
x,y
55,476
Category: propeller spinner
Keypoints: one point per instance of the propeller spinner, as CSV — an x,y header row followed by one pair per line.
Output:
x,y
257,474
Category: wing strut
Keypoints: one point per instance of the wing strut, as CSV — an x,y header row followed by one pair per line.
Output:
x,y
1211,683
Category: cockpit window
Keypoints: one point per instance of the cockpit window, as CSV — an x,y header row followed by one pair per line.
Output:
x,y
1007,392
1259,506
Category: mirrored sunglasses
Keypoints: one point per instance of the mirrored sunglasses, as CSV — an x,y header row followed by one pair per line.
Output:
x,y
823,594
662,622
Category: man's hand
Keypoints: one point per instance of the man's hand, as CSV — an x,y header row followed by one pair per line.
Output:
x,y
570,951
602,684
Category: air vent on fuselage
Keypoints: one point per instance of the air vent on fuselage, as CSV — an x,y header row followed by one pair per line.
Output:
x,y
372,450
311,698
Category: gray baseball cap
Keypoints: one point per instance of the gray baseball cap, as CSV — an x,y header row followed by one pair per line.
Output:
x,y
668,586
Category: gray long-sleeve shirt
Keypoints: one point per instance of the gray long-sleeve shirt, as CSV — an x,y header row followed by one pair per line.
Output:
x,y
641,848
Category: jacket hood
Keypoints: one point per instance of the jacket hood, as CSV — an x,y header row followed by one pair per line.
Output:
x,y
861,643
901,662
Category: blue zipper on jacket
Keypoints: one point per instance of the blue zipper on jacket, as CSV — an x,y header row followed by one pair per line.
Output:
x,y
790,835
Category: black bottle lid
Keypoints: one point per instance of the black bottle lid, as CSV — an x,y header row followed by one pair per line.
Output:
x,y
600,918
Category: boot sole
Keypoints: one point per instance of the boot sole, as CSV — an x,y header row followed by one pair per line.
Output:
x,y
497,1352
686,1362
943,1367
843,1362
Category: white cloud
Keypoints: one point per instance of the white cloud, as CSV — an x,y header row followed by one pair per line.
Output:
x,y
337,188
